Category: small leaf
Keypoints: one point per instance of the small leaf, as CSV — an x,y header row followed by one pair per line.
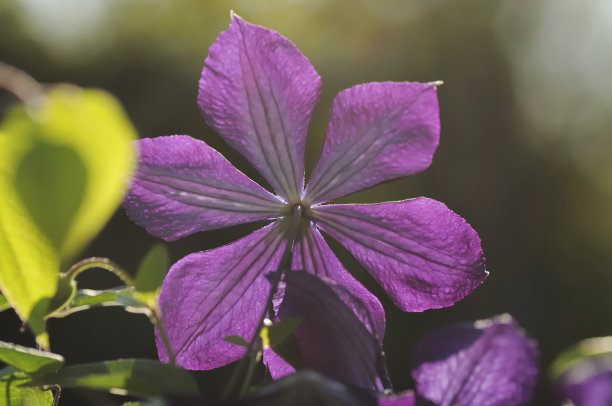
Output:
x,y
138,377
237,340
87,298
29,360
130,300
152,270
13,393
280,331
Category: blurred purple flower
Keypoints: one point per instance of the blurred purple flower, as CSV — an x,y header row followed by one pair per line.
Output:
x,y
486,363
258,92
583,373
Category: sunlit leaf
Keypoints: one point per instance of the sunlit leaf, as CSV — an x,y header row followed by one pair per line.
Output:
x,y
72,164
29,265
12,393
29,360
64,164
139,377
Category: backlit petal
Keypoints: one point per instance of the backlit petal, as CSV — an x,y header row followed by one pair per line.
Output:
x,y
422,254
331,339
399,399
488,363
258,91
210,295
377,132
183,186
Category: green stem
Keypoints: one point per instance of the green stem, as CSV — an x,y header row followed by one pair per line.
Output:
x,y
98,262
159,325
284,265
16,81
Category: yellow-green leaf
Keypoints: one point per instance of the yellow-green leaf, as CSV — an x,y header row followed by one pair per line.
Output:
x,y
138,377
29,360
64,166
12,393
29,265
73,162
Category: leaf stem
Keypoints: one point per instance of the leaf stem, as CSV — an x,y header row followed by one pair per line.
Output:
x,y
159,325
284,265
16,81
98,262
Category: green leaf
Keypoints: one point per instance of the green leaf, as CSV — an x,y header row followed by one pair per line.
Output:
x,y
64,164
152,269
29,265
87,298
132,302
237,340
29,360
4,304
151,273
280,331
12,393
138,377
73,162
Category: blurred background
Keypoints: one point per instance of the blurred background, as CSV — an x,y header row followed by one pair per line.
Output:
x,y
525,153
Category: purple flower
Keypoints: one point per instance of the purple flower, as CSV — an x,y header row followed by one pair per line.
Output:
x,y
258,92
583,373
486,363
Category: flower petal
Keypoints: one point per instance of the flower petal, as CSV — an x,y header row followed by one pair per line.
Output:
x,y
258,91
312,254
422,254
488,363
331,339
183,186
377,132
399,399
210,295
593,390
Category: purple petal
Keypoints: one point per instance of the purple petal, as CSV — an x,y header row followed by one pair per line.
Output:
x,y
595,390
331,339
183,186
258,91
399,399
312,254
422,254
210,295
488,363
377,132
